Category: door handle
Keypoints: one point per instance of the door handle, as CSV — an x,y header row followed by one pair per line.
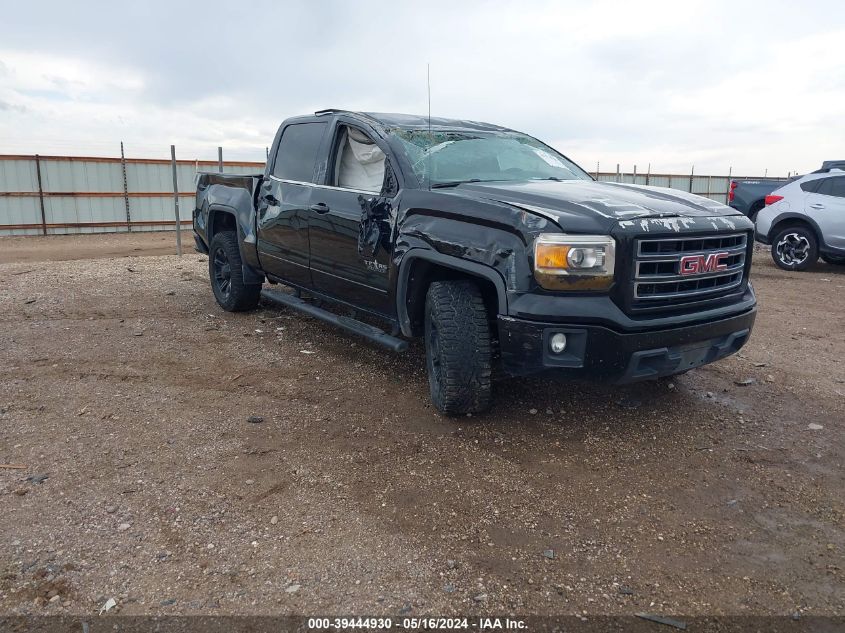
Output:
x,y
270,199
817,206
320,207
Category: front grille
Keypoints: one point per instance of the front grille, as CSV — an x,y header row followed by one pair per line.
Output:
x,y
674,270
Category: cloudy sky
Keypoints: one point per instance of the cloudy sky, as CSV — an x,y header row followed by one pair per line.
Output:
x,y
751,86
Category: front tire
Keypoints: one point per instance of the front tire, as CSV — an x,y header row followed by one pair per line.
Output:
x,y
795,248
458,347
226,274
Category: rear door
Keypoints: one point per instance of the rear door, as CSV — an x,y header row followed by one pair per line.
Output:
x,y
826,205
283,200
352,219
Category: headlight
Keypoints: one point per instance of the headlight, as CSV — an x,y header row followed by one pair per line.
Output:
x,y
574,262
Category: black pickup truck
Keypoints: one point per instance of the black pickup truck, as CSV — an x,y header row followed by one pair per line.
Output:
x,y
499,251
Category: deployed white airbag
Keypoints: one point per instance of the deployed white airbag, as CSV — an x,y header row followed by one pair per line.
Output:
x,y
361,163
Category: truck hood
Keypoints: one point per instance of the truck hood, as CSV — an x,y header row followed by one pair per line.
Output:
x,y
606,203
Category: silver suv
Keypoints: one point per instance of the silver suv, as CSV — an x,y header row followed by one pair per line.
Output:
x,y
804,220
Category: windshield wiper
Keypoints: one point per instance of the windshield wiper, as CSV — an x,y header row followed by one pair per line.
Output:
x,y
454,183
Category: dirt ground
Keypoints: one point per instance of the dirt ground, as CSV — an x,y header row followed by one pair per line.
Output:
x,y
126,395
70,247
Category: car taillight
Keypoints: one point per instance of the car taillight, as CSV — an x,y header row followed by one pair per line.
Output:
x,y
772,199
731,192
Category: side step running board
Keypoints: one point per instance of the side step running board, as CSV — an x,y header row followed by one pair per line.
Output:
x,y
354,326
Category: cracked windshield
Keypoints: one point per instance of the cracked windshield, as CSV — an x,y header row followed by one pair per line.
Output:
x,y
449,158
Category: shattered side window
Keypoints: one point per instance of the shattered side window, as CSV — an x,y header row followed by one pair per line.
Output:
x,y
441,157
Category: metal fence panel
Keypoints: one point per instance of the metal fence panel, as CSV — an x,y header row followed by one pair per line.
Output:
x,y
150,177
19,210
77,210
86,194
18,175
157,212
79,176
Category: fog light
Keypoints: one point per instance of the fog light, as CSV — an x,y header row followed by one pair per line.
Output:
x,y
558,343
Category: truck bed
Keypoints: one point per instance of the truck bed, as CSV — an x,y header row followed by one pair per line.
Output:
x,y
207,179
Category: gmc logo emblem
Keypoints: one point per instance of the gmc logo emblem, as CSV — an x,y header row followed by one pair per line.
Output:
x,y
698,264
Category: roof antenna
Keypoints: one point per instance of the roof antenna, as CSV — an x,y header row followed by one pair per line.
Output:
x,y
430,137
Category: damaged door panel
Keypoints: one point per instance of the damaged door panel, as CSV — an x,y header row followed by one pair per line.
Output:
x,y
350,222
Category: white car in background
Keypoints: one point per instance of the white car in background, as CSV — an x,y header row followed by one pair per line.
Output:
x,y
805,219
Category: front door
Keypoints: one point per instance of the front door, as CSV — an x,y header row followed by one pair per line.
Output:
x,y
351,220
283,201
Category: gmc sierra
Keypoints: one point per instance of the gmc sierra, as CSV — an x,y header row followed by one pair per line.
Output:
x,y
495,248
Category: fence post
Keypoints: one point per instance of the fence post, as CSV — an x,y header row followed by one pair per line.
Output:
x,y
648,174
176,201
635,175
597,170
125,189
267,152
691,174
41,195
220,159
618,174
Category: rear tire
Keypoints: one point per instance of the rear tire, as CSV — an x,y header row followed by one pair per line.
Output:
x,y
458,347
226,274
795,248
833,259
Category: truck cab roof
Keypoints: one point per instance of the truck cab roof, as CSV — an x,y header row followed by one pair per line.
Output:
x,y
389,120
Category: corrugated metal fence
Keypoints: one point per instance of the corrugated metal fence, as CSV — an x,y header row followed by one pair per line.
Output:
x,y
68,194
713,187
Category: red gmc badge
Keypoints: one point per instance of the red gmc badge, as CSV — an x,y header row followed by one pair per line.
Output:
x,y
698,264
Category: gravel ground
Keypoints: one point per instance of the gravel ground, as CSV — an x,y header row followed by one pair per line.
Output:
x,y
126,395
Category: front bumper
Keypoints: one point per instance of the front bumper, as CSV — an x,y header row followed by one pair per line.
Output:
x,y
601,353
